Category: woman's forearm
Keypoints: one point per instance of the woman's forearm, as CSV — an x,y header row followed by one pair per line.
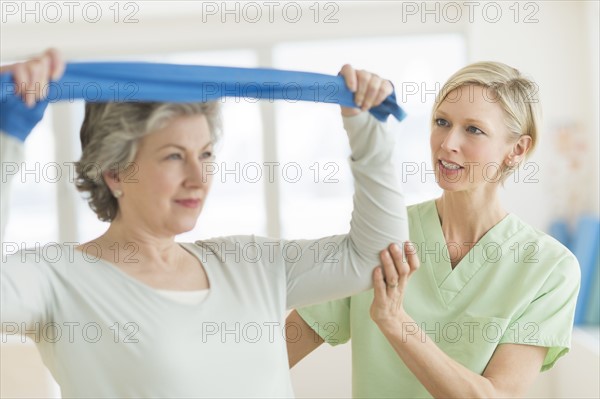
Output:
x,y
340,266
441,375
11,157
379,216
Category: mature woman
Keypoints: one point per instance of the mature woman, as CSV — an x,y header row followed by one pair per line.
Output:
x,y
493,301
133,313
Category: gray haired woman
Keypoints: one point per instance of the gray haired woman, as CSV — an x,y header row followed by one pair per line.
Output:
x,y
148,316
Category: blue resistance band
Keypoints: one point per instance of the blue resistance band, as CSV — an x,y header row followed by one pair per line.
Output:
x,y
139,81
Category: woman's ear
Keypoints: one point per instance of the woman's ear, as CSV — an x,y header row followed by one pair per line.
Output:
x,y
112,180
521,148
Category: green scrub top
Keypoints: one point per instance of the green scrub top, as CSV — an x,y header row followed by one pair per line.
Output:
x,y
516,285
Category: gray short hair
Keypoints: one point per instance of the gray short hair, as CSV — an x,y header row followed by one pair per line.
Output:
x,y
110,134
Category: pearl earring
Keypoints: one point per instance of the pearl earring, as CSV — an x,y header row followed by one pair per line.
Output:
x,y
117,193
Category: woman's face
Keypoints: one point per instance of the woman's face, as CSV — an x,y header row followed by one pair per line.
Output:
x,y
469,140
165,188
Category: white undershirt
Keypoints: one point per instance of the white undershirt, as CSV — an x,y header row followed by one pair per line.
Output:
x,y
185,297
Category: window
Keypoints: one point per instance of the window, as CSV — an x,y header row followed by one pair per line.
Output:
x,y
32,219
314,184
320,203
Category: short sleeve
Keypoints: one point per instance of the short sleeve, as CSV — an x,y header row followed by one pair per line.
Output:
x,y
548,320
330,320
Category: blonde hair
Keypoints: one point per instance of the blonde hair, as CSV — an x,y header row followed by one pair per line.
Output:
x,y
516,94
110,135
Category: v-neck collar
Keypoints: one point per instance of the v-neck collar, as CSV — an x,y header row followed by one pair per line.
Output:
x,y
487,250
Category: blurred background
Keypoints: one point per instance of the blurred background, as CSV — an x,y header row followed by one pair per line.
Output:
x,y
288,161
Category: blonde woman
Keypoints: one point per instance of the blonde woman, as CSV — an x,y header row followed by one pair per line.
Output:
x,y
481,302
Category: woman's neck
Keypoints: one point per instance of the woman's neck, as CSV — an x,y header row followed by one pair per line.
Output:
x,y
130,245
467,216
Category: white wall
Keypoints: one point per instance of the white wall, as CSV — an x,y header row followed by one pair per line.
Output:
x,y
559,53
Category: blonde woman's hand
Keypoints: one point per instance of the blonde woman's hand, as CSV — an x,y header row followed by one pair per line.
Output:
x,y
389,283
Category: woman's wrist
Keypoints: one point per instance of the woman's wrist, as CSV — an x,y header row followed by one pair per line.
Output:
x,y
349,111
400,324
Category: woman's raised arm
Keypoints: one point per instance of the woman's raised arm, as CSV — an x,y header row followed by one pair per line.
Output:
x,y
31,80
340,266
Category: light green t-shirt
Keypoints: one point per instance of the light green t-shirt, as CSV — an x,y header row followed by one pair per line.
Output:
x,y
517,285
